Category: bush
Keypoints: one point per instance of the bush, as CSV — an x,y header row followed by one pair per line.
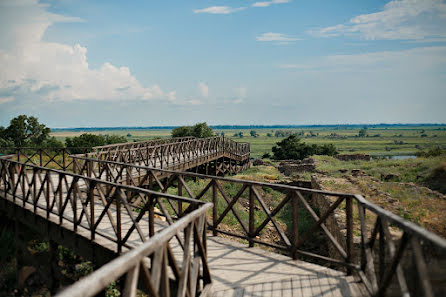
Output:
x,y
266,156
91,140
432,152
293,148
200,130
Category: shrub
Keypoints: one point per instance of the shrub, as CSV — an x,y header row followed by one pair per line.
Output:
x,y
91,140
199,130
432,152
293,148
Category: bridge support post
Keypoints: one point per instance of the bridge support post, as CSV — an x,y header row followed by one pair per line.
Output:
x,y
214,209
251,217
295,242
349,223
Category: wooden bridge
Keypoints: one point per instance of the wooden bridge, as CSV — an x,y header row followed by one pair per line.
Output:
x,y
133,209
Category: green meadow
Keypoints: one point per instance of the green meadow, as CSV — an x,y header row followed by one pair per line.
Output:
x,y
380,141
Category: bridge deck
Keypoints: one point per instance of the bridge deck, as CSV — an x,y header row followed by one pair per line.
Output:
x,y
236,269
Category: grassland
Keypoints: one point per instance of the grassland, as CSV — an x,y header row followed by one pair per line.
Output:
x,y
381,141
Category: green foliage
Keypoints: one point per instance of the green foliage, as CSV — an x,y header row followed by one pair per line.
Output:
x,y
53,143
91,140
432,152
266,156
292,148
199,130
362,132
254,133
24,131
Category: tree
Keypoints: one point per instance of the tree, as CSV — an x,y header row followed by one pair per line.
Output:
x,y
240,134
25,131
199,130
269,135
182,131
253,133
293,148
91,140
362,132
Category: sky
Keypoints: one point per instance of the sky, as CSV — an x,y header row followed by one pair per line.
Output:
x,y
105,63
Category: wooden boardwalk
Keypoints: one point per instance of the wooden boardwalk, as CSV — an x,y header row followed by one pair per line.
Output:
x,y
237,270
105,210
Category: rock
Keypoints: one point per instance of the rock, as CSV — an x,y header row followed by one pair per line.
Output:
x,y
23,274
353,157
390,177
358,172
343,170
290,167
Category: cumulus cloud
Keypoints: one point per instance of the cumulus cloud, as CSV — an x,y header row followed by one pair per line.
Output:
x,y
275,37
219,10
204,89
268,3
399,19
56,71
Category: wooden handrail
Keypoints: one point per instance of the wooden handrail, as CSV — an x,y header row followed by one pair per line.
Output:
x,y
134,262
55,192
357,259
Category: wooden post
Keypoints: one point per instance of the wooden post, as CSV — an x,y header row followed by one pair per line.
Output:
x,y
349,210
295,205
40,156
90,193
64,166
118,220
215,208
251,217
180,193
151,216
60,198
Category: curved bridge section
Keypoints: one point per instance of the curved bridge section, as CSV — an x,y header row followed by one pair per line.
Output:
x,y
213,155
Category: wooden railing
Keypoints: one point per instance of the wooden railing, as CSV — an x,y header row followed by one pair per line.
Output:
x,y
384,241
140,144
83,202
151,262
166,155
50,157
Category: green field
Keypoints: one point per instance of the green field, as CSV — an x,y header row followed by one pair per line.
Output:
x,y
381,141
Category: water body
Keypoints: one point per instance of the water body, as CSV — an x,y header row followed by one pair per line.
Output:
x,y
402,157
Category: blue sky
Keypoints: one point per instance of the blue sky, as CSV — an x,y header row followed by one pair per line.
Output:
x,y
76,63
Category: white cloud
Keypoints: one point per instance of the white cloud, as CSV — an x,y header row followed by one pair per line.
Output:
x,y
219,10
204,89
6,99
268,3
56,71
399,19
279,37
414,61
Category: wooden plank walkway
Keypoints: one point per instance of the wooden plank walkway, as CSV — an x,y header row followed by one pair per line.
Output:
x,y
237,270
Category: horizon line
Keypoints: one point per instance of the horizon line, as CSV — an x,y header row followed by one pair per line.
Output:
x,y
228,127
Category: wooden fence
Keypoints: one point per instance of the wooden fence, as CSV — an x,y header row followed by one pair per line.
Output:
x,y
174,153
383,238
151,262
171,153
